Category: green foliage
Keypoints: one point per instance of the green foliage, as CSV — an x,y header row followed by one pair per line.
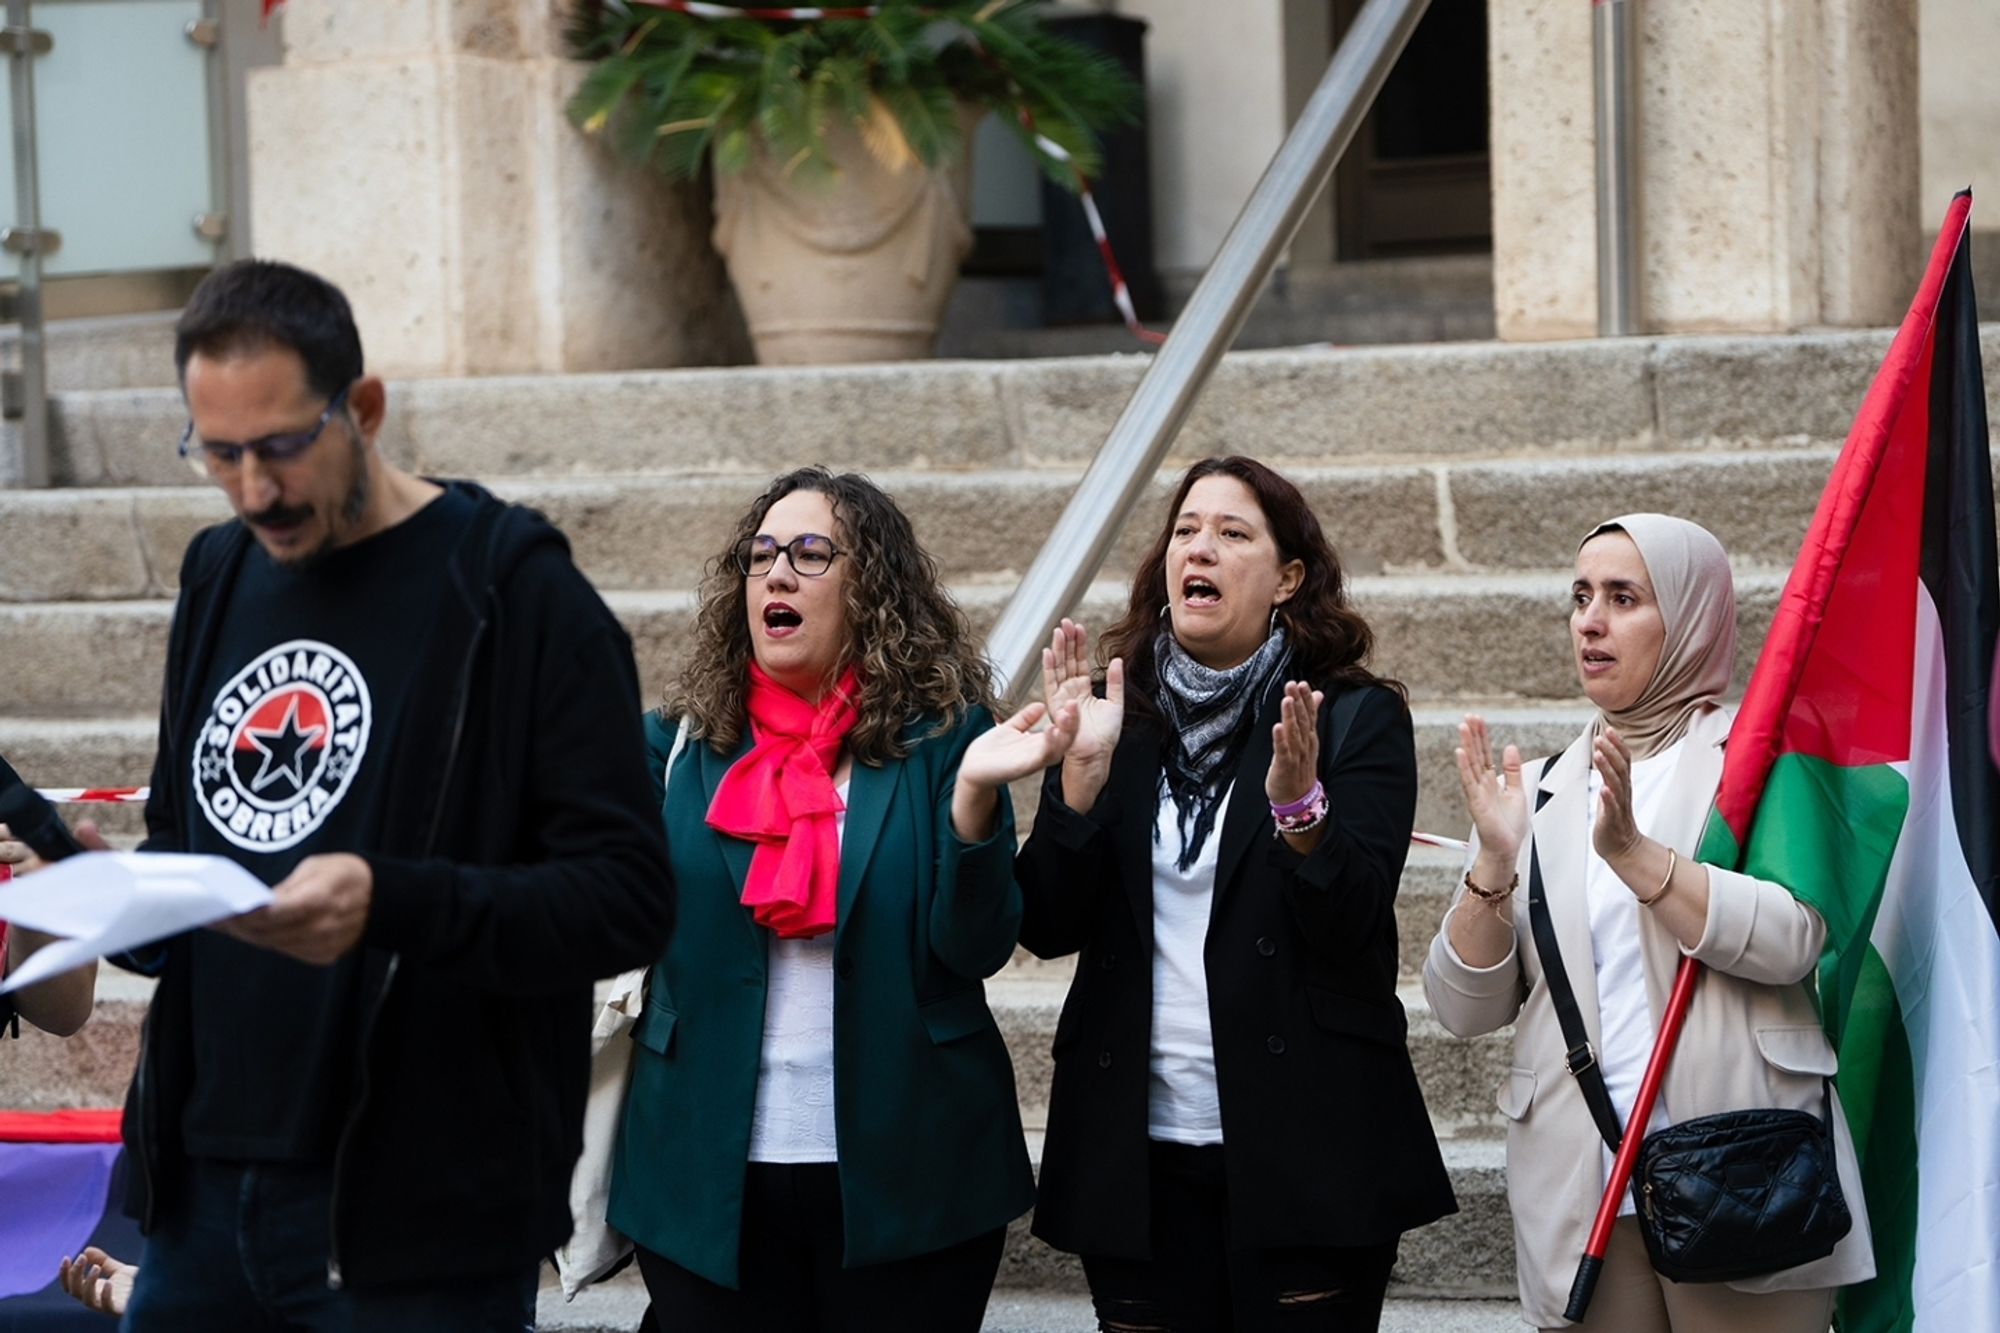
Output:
x,y
673,91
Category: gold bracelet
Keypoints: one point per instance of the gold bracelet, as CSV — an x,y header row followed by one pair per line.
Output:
x,y
1666,883
1490,896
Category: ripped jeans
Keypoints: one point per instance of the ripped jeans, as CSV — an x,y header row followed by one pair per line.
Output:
x,y
1196,1282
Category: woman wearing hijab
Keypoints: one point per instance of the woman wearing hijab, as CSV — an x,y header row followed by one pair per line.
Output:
x,y
1615,819
821,1131
1236,1139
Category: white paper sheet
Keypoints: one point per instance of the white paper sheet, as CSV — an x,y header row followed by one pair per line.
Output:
x,y
105,902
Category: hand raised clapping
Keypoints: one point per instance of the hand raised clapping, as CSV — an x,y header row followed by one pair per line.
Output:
x,y
1499,809
1006,751
1100,722
1018,747
1615,833
1066,681
1294,745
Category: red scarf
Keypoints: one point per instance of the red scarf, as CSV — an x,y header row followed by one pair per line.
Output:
x,y
780,796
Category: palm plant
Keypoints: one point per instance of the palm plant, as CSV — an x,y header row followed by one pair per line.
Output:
x,y
674,90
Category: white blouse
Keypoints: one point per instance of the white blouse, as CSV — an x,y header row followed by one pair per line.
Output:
x,y
1625,1016
792,1118
1181,1102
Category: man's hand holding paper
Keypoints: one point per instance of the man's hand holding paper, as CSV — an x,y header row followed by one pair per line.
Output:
x,y
105,902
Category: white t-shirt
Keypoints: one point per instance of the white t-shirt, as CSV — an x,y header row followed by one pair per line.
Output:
x,y
1625,1017
1181,1103
792,1118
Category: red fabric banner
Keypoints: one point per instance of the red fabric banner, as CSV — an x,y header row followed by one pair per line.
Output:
x,y
60,1126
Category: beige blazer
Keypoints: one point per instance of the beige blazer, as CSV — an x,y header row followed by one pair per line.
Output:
x,y
1752,1037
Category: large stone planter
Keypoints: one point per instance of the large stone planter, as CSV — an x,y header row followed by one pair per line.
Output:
x,y
856,268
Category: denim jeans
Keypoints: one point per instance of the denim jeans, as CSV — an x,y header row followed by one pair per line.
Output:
x,y
247,1249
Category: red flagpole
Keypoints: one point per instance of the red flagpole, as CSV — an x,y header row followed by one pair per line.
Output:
x,y
1592,1263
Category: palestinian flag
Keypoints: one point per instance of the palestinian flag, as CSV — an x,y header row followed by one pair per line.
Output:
x,y
1858,775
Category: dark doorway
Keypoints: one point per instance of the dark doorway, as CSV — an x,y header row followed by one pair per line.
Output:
x,y
1417,178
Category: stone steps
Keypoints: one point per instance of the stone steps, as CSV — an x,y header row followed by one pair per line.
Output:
x,y
1289,407
657,530
1444,636
103,351
1433,298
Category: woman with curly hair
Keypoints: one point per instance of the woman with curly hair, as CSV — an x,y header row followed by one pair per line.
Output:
x,y
822,1130
1236,1138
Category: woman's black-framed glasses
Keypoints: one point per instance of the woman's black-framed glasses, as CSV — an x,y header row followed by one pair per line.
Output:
x,y
225,456
811,555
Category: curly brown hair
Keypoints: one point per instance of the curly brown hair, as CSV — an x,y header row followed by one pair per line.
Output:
x,y
1329,639
908,639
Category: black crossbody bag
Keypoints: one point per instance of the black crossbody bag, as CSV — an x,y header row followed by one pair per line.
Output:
x,y
1721,1197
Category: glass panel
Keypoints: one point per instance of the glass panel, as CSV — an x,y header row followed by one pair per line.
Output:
x,y
121,108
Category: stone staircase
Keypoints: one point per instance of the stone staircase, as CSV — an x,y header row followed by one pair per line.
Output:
x,y
1453,478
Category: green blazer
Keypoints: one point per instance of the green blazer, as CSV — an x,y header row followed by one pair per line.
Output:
x,y
931,1149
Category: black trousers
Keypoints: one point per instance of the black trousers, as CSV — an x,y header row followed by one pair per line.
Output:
x,y
793,1282
1198,1282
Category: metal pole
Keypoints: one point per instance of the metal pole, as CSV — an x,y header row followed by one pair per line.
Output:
x,y
1139,442
1615,45
214,224
22,48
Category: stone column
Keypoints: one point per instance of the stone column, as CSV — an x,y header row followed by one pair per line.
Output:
x,y
417,154
1778,165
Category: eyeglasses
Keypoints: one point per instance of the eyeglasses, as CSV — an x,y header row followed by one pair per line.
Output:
x,y
219,456
811,555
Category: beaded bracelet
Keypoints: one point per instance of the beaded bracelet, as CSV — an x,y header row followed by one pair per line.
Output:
x,y
1492,895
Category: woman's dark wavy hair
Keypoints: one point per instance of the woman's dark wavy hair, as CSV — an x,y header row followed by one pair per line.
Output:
x,y
1330,641
907,638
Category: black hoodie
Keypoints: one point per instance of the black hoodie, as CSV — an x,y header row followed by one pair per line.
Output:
x,y
521,858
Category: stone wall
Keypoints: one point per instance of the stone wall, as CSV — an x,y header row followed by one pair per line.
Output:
x,y
1777,184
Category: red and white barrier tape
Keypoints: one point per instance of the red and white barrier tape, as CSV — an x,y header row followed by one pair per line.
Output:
x,y
138,795
96,795
1121,293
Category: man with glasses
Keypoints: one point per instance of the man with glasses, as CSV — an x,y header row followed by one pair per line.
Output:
x,y
398,703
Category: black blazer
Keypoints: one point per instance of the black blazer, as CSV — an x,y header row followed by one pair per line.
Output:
x,y
1327,1138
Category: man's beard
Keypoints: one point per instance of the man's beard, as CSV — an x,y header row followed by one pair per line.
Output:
x,y
346,515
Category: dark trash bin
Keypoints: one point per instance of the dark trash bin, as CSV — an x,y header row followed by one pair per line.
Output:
x,y
1075,287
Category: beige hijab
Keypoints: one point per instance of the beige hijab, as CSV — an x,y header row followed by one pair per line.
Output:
x,y
1697,597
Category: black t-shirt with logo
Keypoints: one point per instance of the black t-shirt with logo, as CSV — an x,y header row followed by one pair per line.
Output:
x,y
303,705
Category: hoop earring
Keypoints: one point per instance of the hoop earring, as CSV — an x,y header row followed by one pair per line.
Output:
x,y
1164,608
1274,622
